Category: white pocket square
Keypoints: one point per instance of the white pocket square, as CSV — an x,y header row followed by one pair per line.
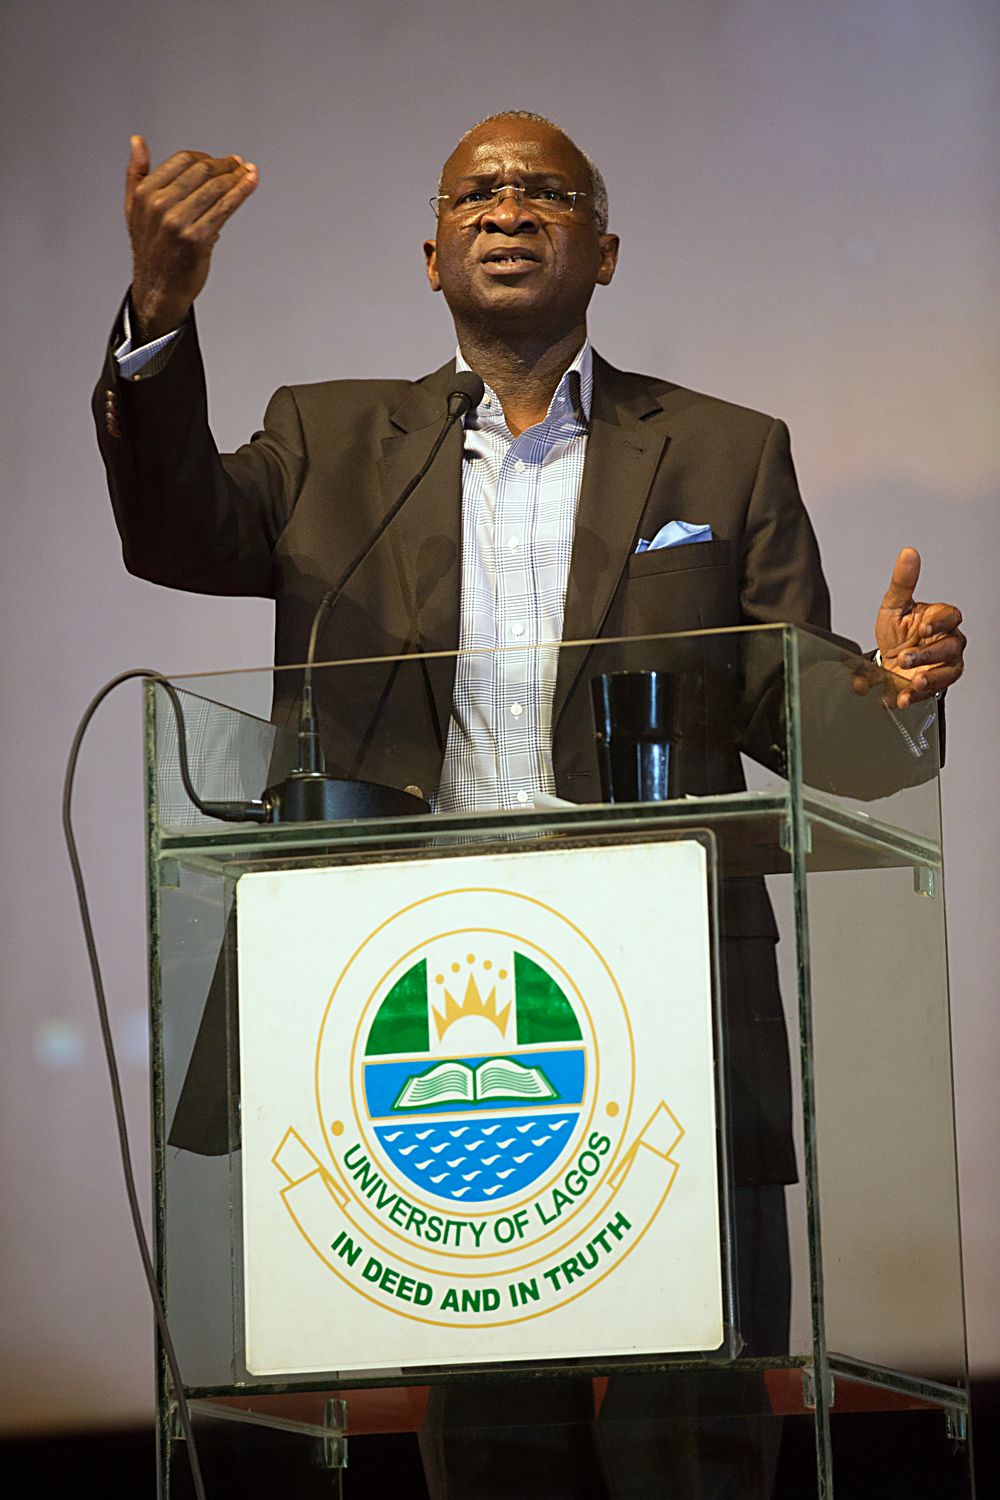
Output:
x,y
676,534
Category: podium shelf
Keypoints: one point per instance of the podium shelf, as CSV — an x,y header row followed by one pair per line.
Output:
x,y
752,829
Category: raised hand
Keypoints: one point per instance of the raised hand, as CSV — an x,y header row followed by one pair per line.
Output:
x,y
920,642
175,214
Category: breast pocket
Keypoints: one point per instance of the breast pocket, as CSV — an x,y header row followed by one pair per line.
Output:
x,y
691,587
680,559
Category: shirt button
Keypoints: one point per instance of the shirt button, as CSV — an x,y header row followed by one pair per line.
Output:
x,y
513,542
519,467
487,400
517,710
517,629
522,797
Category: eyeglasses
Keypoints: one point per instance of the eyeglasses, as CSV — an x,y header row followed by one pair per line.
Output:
x,y
544,202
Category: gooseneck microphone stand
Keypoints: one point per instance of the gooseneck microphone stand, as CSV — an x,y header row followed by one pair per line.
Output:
x,y
309,793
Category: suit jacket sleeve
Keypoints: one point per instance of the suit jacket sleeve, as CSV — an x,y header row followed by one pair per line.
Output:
x,y
782,574
188,517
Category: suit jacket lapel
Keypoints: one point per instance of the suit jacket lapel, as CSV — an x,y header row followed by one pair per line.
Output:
x,y
424,542
628,433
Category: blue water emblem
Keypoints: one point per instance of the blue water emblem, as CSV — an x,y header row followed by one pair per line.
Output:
x,y
480,1159
481,1146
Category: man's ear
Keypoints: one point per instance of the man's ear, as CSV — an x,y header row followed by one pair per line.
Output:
x,y
430,257
609,258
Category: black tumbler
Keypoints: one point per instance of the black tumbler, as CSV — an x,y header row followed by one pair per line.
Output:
x,y
636,721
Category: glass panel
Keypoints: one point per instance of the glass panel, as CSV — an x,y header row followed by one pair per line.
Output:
x,y
868,765
233,754
781,897
886,1443
195,1186
700,1432
884,1124
388,720
725,723
254,1459
885,1119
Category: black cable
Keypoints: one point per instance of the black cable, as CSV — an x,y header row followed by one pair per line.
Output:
x,y
230,812
108,1040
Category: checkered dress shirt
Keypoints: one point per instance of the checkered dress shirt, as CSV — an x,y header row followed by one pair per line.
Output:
x,y
519,500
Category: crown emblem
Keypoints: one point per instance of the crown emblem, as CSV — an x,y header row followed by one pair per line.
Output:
x,y
473,1004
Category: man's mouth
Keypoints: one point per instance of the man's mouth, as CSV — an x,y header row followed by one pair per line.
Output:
x,y
512,258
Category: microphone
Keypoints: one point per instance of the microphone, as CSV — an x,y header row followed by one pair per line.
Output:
x,y
465,394
309,793
467,390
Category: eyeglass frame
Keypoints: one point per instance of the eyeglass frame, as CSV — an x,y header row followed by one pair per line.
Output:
x,y
495,200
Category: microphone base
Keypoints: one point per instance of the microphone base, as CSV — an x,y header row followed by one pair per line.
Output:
x,y
312,797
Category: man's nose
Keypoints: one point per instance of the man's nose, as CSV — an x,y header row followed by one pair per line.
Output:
x,y
510,214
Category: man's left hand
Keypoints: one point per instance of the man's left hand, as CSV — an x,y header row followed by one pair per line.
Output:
x,y
920,642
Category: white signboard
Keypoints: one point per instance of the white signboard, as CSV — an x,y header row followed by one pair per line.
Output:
x,y
478,1109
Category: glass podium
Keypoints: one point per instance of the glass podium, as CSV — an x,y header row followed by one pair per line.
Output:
x,y
807,810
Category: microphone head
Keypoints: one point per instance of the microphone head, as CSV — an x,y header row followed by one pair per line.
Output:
x,y
465,393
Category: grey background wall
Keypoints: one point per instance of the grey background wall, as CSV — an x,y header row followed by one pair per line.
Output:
x,y
808,201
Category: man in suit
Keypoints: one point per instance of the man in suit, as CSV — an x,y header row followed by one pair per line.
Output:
x,y
281,516
528,529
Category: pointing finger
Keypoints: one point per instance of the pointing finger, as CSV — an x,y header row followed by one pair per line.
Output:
x,y
906,571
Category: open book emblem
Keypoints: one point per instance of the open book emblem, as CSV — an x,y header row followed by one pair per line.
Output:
x,y
495,1080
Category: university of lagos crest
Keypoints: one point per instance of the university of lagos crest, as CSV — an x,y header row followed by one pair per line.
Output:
x,y
473,1071
490,1137
475,1088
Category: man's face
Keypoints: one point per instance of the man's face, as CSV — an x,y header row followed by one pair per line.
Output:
x,y
508,268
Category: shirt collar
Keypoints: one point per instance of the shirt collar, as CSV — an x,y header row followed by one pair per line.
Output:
x,y
576,386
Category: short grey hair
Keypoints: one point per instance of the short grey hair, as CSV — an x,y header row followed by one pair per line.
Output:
x,y
598,190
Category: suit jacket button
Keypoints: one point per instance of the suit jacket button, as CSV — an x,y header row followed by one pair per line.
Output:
x,y
414,791
111,424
